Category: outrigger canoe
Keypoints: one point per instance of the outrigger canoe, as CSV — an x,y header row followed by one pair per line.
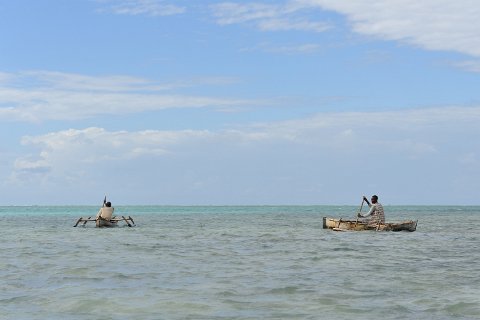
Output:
x,y
113,222
356,225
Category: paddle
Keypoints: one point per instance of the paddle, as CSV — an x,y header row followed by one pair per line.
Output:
x,y
104,202
359,211
356,222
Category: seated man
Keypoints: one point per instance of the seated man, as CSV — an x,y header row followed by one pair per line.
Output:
x,y
376,214
104,215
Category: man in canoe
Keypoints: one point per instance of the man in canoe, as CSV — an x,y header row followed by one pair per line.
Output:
x,y
105,214
376,214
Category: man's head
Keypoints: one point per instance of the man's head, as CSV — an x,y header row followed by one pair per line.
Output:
x,y
108,204
374,199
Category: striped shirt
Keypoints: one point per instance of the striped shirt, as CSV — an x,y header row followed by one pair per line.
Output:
x,y
376,214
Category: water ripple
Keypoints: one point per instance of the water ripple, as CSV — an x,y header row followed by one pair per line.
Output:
x,y
239,263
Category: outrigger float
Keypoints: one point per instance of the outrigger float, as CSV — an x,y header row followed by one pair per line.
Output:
x,y
355,225
99,222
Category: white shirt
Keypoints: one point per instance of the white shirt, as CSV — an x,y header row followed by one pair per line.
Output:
x,y
105,212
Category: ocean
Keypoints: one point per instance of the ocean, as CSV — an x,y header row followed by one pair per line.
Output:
x,y
238,262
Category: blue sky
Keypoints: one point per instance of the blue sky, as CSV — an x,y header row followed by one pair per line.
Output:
x,y
265,102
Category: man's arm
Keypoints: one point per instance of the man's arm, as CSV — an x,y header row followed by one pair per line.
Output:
x,y
366,200
371,211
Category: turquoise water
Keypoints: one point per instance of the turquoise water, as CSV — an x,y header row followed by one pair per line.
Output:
x,y
238,263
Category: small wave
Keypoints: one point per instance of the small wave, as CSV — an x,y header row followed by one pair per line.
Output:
x,y
284,290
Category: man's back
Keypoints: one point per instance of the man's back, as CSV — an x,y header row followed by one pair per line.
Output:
x,y
378,214
105,213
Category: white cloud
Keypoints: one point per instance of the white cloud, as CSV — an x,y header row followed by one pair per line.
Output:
x,y
469,65
82,145
63,154
430,24
38,166
141,7
392,131
306,48
262,162
39,96
267,17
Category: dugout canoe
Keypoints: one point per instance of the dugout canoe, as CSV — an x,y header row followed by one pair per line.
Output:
x,y
355,225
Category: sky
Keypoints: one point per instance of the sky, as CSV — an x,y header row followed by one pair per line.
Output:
x,y
186,102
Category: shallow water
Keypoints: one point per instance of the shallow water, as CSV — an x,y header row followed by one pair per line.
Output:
x,y
238,263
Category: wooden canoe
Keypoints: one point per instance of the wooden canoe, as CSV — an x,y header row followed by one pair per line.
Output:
x,y
106,223
355,225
